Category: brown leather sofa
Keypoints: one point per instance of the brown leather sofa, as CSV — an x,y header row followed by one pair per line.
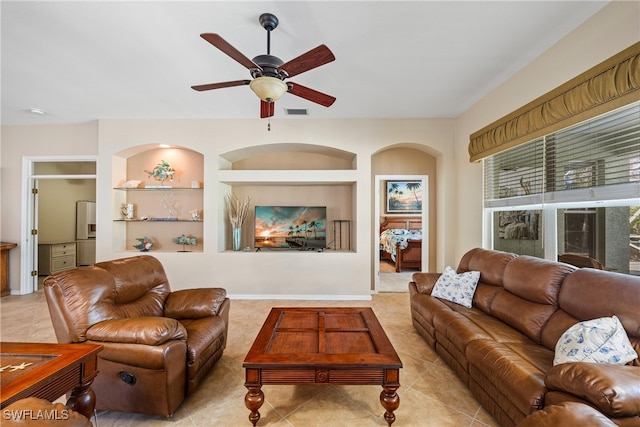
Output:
x,y
158,345
503,347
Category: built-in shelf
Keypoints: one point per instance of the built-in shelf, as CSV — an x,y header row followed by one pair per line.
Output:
x,y
158,189
169,203
159,221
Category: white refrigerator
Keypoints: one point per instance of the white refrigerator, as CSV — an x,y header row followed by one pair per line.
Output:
x,y
85,232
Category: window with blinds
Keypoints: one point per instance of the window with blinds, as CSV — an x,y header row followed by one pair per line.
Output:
x,y
515,173
596,160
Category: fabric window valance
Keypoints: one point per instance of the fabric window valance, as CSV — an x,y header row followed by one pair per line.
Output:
x,y
605,87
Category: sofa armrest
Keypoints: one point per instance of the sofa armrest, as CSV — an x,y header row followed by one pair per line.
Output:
x,y
194,303
138,330
425,281
33,412
612,389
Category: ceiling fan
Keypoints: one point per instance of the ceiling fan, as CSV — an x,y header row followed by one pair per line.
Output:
x,y
269,71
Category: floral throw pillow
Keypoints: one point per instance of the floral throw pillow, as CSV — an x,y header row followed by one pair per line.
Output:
x,y
602,340
457,288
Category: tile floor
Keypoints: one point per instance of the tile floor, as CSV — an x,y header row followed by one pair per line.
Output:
x,y
390,281
430,393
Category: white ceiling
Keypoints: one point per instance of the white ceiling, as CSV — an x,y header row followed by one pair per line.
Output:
x,y
88,60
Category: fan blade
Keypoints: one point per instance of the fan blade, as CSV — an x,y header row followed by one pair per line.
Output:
x,y
225,47
211,86
310,94
308,61
267,109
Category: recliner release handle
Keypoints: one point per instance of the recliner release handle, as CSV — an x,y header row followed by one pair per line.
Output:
x,y
127,378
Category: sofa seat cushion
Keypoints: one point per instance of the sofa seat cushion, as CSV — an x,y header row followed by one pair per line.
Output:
x,y
205,338
567,414
613,389
461,326
518,368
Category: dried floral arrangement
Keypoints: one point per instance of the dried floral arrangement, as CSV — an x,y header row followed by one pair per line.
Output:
x,y
237,210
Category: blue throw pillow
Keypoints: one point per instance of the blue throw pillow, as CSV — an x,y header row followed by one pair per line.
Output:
x,y
457,288
602,340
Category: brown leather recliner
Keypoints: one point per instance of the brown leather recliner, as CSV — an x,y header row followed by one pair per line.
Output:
x,y
158,345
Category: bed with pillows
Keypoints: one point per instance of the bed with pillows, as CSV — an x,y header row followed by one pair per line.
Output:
x,y
527,334
401,241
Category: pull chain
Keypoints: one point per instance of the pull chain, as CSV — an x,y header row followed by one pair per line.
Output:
x,y
269,125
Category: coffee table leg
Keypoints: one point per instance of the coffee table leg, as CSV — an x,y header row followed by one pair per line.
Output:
x,y
253,401
390,402
82,399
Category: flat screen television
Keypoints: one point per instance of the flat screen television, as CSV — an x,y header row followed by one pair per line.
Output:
x,y
293,227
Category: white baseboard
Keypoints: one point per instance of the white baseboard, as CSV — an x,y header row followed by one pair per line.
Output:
x,y
302,297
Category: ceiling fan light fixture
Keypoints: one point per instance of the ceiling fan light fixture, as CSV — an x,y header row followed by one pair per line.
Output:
x,y
268,89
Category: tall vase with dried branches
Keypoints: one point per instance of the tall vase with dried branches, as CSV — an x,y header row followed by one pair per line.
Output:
x,y
237,212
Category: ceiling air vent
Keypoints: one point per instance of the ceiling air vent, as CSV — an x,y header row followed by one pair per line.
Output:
x,y
296,111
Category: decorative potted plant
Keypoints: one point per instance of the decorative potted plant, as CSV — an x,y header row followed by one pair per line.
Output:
x,y
237,212
185,240
162,171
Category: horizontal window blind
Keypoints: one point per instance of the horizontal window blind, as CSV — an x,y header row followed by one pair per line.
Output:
x,y
602,151
598,159
516,172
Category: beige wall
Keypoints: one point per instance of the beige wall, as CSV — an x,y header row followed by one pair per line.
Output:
x,y
18,143
458,182
57,207
614,28
272,273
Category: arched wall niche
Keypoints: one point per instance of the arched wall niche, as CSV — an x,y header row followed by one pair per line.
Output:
x,y
138,149
290,174
134,161
400,160
411,145
161,210
289,156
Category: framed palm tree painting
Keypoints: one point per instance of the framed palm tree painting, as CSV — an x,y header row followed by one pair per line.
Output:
x,y
404,197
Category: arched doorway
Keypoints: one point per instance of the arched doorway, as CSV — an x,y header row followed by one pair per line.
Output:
x,y
402,163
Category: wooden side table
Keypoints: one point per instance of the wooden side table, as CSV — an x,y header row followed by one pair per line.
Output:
x,y
5,247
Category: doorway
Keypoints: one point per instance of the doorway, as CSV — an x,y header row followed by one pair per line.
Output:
x,y
398,281
69,178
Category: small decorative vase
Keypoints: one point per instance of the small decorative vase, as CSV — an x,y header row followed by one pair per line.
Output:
x,y
237,238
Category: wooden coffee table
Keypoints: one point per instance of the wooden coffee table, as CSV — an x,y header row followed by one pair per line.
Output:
x,y
48,371
322,346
